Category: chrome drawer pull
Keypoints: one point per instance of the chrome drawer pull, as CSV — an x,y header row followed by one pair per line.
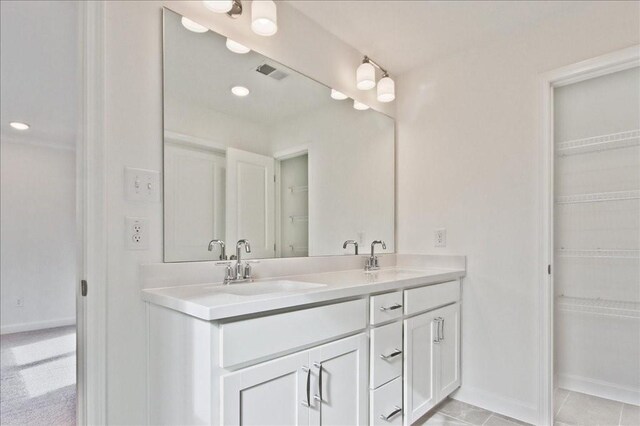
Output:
x,y
391,414
391,308
393,354
307,403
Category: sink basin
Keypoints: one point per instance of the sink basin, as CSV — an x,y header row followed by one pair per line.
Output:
x,y
280,286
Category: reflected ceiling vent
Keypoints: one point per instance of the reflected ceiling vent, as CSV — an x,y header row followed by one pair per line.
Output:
x,y
272,72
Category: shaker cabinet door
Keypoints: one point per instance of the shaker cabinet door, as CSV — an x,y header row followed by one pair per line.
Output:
x,y
449,350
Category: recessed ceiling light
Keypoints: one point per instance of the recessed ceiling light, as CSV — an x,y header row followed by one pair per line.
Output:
x,y
236,47
360,106
240,91
19,126
339,96
193,26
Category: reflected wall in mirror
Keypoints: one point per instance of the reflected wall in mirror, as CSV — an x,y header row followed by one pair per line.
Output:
x,y
286,167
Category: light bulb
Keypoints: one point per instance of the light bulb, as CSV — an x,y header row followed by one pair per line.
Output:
x,y
218,6
240,91
264,17
339,96
236,47
193,26
365,76
19,126
360,106
386,89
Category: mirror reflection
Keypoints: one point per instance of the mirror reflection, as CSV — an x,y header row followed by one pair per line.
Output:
x,y
254,150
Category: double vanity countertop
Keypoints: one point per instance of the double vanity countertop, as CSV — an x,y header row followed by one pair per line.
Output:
x,y
219,301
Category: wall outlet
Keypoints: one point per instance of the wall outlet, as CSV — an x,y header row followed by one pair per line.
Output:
x,y
141,185
136,233
440,237
20,302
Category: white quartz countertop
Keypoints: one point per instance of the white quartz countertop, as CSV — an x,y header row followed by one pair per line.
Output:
x,y
218,301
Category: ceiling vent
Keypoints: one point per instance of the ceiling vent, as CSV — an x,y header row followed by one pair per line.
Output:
x,y
272,72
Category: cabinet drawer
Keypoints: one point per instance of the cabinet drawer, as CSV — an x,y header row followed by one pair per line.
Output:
x,y
257,339
429,297
386,354
386,404
386,307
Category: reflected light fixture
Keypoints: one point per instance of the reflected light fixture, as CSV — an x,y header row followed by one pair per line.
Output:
x,y
264,17
193,26
19,125
338,96
220,6
236,47
360,106
366,79
240,91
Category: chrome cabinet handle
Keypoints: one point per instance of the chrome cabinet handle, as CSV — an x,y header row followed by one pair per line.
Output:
x,y
318,395
391,414
437,321
441,329
307,403
391,308
393,354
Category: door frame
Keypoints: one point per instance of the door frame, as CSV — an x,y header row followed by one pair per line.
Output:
x,y
91,218
584,70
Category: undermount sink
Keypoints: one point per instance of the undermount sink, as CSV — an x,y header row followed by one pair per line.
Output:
x,y
266,287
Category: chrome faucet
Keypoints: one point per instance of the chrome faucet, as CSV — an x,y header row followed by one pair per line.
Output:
x,y
223,255
372,261
354,242
240,272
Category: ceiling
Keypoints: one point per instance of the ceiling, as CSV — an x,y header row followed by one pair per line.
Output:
x,y
402,35
199,69
38,70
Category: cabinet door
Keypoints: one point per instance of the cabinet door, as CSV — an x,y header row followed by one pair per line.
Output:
x,y
419,362
340,391
448,350
273,393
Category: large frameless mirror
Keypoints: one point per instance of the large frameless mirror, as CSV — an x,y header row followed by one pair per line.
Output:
x,y
255,150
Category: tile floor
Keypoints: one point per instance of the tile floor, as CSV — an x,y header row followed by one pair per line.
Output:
x,y
573,408
455,413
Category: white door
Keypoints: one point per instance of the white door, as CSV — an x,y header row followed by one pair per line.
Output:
x,y
251,202
339,394
419,366
448,361
273,393
194,197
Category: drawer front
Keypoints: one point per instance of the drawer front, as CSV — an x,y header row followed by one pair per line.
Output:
x,y
386,354
386,307
386,404
429,297
257,339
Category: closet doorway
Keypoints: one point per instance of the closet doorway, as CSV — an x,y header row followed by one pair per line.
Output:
x,y
594,244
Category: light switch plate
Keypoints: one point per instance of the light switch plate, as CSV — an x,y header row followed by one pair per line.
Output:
x,y
136,233
440,237
141,185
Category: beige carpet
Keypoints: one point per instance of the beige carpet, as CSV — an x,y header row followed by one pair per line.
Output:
x,y
37,377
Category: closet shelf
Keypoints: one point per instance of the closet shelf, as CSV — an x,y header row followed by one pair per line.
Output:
x,y
299,219
599,306
600,253
302,188
599,197
599,143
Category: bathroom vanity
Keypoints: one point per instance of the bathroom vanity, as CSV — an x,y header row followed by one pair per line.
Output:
x,y
345,347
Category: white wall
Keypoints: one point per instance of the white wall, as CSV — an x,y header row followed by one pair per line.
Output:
x,y
468,147
37,226
133,115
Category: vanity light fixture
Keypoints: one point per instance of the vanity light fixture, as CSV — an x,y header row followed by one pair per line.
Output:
x,y
366,79
236,47
19,126
360,106
233,8
338,96
264,17
193,26
240,91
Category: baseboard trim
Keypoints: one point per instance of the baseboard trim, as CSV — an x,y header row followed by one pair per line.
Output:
x,y
36,325
510,407
599,388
